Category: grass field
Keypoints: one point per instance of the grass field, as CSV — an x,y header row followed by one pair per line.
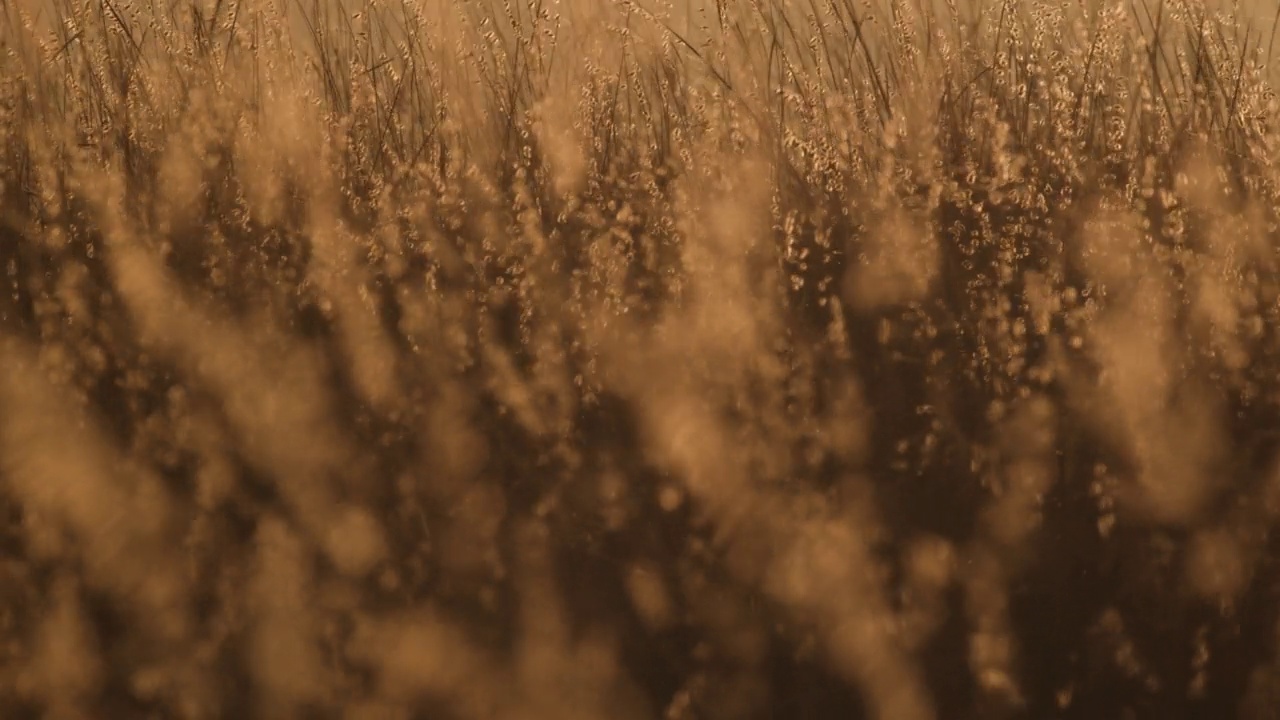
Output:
x,y
564,359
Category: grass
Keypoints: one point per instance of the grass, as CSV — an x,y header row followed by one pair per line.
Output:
x,y
543,358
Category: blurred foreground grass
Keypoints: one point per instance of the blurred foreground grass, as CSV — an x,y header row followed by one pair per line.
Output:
x,y
538,359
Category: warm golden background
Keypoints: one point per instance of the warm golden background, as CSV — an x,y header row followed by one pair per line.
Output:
x,y
518,359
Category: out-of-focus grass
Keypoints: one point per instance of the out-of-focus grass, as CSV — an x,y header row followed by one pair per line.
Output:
x,y
525,358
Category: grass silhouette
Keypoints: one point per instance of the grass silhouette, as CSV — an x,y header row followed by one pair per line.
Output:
x,y
569,359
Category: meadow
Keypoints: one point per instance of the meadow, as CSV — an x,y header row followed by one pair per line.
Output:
x,y
559,359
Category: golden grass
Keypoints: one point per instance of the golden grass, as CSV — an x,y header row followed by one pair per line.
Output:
x,y
556,359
